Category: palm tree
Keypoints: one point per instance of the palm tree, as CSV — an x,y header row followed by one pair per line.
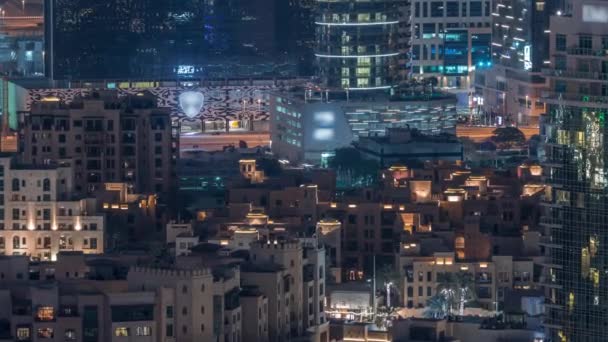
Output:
x,y
458,289
388,276
437,307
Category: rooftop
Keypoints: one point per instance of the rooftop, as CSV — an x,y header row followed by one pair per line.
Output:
x,y
399,94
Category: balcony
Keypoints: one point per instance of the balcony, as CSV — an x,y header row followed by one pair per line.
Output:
x,y
547,241
578,51
579,75
575,99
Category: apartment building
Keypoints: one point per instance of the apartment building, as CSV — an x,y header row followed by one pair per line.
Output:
x,y
108,138
190,312
492,279
41,215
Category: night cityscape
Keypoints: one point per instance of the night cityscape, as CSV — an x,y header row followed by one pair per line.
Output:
x,y
303,170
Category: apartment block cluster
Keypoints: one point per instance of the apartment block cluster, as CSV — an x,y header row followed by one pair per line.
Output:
x,y
422,222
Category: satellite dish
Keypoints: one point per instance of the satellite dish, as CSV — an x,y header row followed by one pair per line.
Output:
x,y
191,103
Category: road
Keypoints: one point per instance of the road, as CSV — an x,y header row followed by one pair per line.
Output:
x,y
480,134
209,142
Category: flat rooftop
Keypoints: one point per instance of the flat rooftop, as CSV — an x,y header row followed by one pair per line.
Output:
x,y
316,94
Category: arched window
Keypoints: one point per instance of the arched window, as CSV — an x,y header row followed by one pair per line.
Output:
x,y
46,185
16,242
15,184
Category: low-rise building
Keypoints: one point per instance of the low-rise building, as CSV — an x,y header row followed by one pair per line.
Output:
x,y
41,215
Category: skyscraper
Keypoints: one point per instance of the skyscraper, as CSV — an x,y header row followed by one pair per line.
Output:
x,y
576,171
449,39
520,49
143,39
357,43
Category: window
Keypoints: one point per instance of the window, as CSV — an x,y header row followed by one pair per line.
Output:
x,y
121,332
169,330
143,331
23,334
45,313
202,327
45,333
475,9
585,42
69,335
436,9
15,185
46,185
169,311
184,311
560,42
452,8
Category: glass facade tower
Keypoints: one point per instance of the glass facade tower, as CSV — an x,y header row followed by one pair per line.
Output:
x,y
144,39
575,275
357,45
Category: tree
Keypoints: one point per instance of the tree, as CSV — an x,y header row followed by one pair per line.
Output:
x,y
352,169
437,307
389,277
506,137
458,289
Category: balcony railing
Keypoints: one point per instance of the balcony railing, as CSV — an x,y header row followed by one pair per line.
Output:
x,y
590,100
575,50
582,75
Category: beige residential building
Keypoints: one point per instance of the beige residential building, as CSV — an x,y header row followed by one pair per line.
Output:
x,y
109,138
492,278
41,216
189,316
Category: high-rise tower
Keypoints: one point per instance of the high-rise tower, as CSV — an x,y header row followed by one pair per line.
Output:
x,y
357,43
576,172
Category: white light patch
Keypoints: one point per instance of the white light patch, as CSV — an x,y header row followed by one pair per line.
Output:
x,y
191,103
323,134
595,14
325,119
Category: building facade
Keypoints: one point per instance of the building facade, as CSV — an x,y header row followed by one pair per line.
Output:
x,y
575,172
510,91
41,216
107,139
357,44
309,126
449,40
174,39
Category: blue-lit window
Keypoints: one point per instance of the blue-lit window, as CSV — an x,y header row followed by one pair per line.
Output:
x,y
415,52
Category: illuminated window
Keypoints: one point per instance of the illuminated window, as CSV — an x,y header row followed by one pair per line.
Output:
x,y
585,262
45,313
70,335
45,333
593,245
362,82
121,332
23,334
143,331
570,301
